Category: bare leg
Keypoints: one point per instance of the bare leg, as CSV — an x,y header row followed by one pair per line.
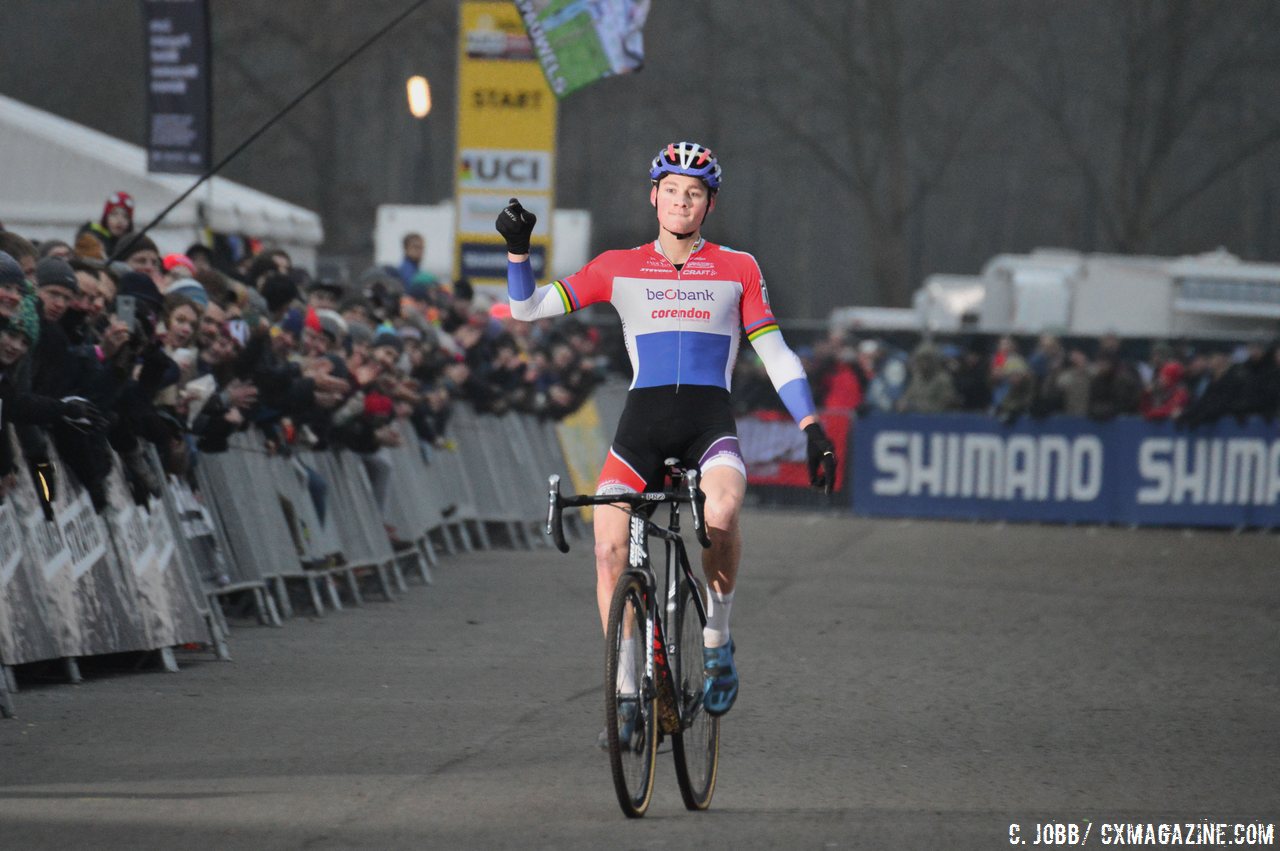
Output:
x,y
611,527
725,488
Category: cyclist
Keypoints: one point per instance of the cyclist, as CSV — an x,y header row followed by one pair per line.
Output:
x,y
682,301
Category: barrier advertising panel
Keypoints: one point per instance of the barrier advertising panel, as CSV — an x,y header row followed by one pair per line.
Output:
x,y
1066,469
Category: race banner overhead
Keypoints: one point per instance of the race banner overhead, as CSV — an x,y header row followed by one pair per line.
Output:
x,y
506,140
580,41
179,86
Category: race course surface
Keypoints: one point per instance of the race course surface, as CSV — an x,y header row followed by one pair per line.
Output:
x,y
905,685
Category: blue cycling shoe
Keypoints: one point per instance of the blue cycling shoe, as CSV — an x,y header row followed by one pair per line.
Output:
x,y
628,714
720,679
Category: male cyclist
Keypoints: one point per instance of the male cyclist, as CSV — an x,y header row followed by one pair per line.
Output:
x,y
682,301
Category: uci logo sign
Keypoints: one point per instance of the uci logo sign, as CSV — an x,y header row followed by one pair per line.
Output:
x,y
488,168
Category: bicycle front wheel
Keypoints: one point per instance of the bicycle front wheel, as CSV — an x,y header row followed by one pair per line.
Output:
x,y
697,746
630,707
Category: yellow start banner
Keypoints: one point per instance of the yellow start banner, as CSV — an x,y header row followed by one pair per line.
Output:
x,y
506,139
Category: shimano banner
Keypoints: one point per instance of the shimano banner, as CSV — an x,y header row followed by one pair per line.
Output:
x,y
179,86
1065,470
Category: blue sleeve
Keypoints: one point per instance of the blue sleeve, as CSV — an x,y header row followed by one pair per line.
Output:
x,y
520,283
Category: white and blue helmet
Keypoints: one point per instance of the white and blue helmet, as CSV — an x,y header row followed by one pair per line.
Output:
x,y
687,158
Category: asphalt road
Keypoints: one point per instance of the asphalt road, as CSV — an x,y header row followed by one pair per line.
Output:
x,y
905,685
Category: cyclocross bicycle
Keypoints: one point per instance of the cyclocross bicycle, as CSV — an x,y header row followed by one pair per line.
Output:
x,y
653,649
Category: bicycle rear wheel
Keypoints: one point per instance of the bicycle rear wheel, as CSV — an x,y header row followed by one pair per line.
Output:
x,y
630,710
697,746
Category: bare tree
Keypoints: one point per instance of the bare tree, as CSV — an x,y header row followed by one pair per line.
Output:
x,y
1138,96
877,96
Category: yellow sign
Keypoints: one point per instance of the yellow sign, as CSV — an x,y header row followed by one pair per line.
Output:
x,y
506,139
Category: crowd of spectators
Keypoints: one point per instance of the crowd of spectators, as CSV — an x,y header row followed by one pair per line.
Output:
x,y
108,344
1188,383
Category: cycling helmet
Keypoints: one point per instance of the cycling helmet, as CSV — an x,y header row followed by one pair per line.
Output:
x,y
687,158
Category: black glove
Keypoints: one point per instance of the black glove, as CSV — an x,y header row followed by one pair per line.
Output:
x,y
822,458
46,482
515,223
81,414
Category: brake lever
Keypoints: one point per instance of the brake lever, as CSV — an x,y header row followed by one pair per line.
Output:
x,y
696,500
555,514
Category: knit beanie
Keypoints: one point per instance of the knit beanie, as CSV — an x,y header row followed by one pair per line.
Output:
x,y
421,285
56,272
359,332
26,321
190,288
10,271
332,323
124,201
141,288
292,322
387,336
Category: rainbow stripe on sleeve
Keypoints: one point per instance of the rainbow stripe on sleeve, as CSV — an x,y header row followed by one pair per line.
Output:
x,y
567,297
762,327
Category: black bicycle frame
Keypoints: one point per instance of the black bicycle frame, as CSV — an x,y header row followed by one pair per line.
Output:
x,y
678,570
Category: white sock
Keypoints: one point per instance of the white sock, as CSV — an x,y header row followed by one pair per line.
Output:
x,y
628,655
716,632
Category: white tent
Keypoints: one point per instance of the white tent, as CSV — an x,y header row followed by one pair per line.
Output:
x,y
56,174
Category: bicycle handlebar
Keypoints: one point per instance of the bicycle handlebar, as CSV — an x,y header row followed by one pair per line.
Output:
x,y
557,503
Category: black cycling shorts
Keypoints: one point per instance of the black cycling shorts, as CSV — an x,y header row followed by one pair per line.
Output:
x,y
693,423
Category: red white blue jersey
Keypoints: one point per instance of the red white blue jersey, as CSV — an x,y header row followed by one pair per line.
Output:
x,y
681,326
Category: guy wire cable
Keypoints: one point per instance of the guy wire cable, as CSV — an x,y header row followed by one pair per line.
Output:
x,y
265,127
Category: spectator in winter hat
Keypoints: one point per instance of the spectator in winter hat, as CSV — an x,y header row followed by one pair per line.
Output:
x,y
140,254
190,288
324,294
419,288
56,285
141,287
177,267
360,333
333,326
24,324
13,285
386,335
357,309
116,222
314,341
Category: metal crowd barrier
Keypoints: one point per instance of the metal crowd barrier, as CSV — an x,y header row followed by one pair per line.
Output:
x,y
249,535
74,583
